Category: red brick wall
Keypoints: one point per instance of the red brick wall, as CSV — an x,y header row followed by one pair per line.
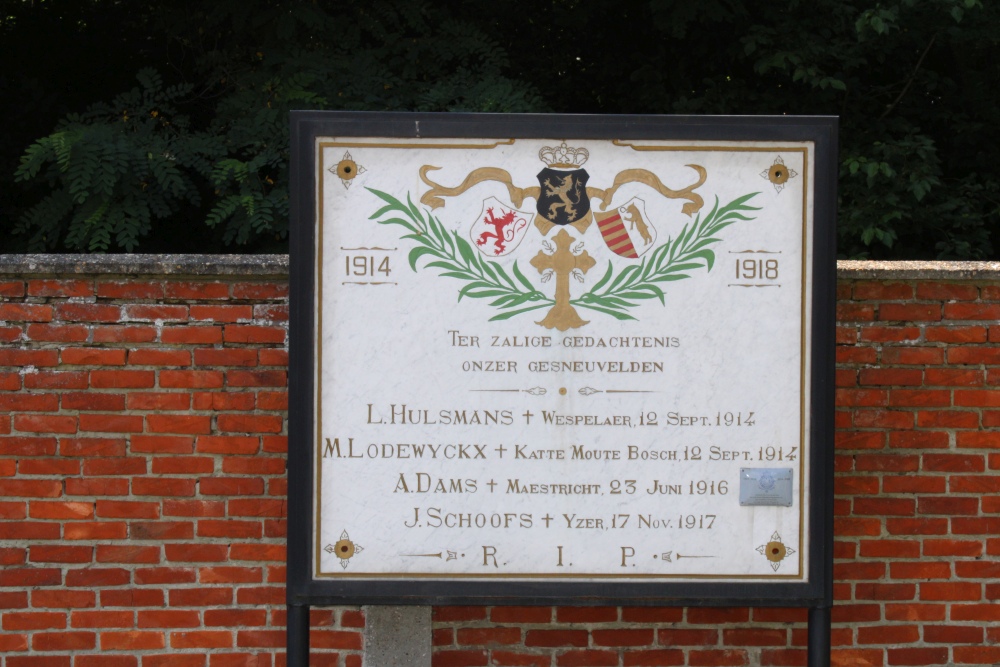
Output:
x,y
142,474
142,487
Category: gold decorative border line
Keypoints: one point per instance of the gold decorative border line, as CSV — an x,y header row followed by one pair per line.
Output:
x,y
587,577
417,143
709,148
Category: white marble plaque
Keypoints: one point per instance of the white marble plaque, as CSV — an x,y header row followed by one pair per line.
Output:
x,y
551,359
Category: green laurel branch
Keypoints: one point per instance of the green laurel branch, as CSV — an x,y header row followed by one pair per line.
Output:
x,y
673,260
455,258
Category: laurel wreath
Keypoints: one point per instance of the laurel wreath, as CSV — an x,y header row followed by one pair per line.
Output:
x,y
612,295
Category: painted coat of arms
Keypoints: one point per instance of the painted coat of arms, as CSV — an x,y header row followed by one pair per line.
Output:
x,y
552,236
499,229
562,197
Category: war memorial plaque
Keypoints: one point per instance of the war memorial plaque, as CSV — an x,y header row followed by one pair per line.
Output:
x,y
542,359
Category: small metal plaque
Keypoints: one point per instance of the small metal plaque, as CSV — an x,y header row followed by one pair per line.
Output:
x,y
766,486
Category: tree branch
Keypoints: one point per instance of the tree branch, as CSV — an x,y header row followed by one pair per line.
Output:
x,y
909,81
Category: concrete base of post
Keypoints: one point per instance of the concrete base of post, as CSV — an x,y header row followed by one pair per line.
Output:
x,y
397,636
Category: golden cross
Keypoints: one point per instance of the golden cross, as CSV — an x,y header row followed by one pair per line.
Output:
x,y
563,315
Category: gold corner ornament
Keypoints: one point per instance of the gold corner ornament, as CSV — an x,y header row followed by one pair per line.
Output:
x,y
775,551
347,169
344,549
778,174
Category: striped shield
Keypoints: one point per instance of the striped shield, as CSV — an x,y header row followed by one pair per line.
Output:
x,y
626,229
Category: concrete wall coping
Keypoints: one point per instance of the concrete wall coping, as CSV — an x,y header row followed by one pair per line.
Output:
x,y
252,266
276,266
849,269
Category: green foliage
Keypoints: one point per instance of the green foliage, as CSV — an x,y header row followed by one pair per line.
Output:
x,y
916,84
217,148
111,171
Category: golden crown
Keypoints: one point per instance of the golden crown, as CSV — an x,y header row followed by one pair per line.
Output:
x,y
563,157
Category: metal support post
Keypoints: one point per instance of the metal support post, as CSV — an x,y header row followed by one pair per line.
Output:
x,y
819,637
297,630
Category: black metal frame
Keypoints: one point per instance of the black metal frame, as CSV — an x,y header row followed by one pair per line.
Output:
x,y
303,590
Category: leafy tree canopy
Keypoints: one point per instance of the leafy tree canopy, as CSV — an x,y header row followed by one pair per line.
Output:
x,y
133,125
